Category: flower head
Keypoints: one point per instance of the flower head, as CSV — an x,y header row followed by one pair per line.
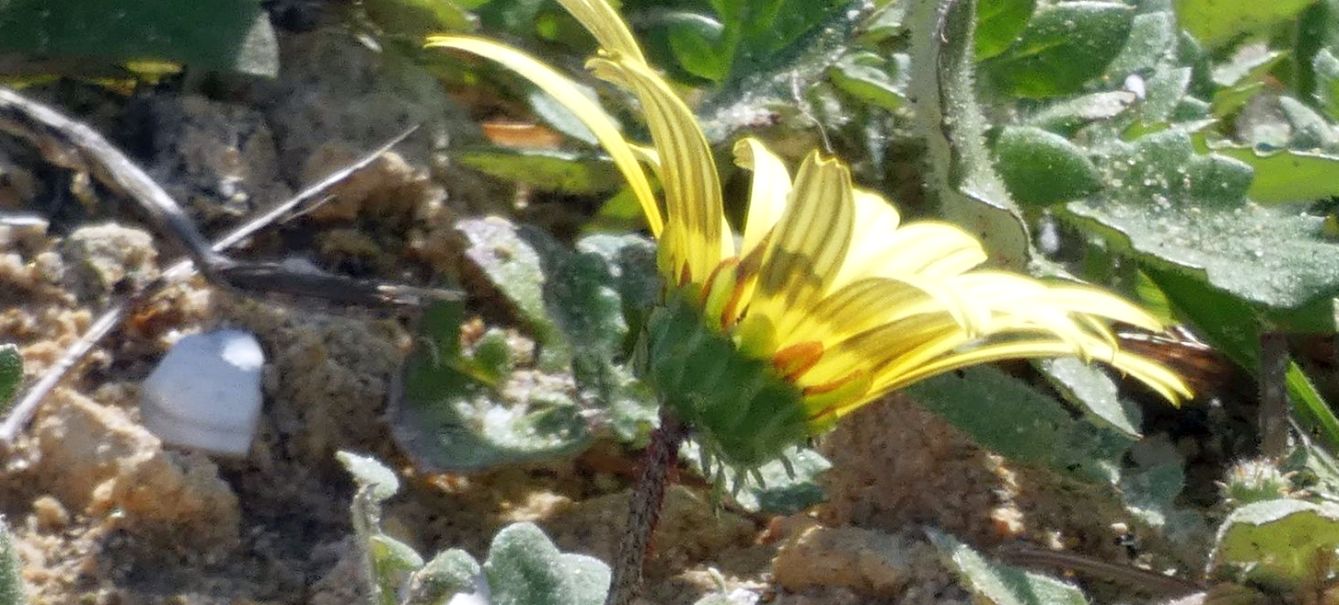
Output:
x,y
826,300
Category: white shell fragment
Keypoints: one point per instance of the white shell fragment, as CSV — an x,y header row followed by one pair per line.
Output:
x,y
205,393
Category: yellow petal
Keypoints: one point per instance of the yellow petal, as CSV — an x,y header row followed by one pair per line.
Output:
x,y
692,187
926,248
569,95
1157,377
767,193
808,244
603,22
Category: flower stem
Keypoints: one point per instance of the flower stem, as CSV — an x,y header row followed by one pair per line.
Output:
x,y
644,508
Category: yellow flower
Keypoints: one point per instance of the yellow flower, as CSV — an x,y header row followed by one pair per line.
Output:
x,y
825,301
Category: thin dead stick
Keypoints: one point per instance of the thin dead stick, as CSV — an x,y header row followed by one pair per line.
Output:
x,y
644,508
115,312
1274,408
1026,555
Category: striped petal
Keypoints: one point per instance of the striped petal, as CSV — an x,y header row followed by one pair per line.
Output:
x,y
692,188
808,244
767,194
926,248
604,23
569,95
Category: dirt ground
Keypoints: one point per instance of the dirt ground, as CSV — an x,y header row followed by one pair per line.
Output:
x,y
106,514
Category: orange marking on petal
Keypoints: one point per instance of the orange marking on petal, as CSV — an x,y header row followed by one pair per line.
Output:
x,y
793,361
730,313
828,387
685,275
716,272
835,397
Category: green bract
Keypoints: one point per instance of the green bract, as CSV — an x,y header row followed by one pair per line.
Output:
x,y
743,411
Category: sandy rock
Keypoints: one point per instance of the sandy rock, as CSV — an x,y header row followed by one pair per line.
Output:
x,y
179,493
689,529
81,444
892,464
822,596
334,92
50,514
97,459
99,257
867,561
326,375
344,582
216,159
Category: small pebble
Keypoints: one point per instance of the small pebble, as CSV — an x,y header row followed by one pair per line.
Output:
x,y
205,394
50,513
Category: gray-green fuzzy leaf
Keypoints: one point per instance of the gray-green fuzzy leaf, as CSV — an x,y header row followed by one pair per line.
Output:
x,y
1043,168
1280,544
1011,418
1001,584
525,568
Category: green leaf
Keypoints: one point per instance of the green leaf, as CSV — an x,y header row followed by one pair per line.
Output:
x,y
11,374
1095,392
1249,65
1228,100
699,46
559,117
1063,47
515,268
963,180
780,492
1150,44
586,297
866,76
1149,491
393,557
1042,168
525,568
1309,129
372,477
229,35
448,420
1068,115
1011,418
1166,89
1233,326
1285,175
759,88
1188,213
1216,23
748,36
1279,544
452,571
581,174
998,23
418,18
1326,67
1001,584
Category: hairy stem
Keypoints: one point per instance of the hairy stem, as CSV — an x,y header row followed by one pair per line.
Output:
x,y
644,508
